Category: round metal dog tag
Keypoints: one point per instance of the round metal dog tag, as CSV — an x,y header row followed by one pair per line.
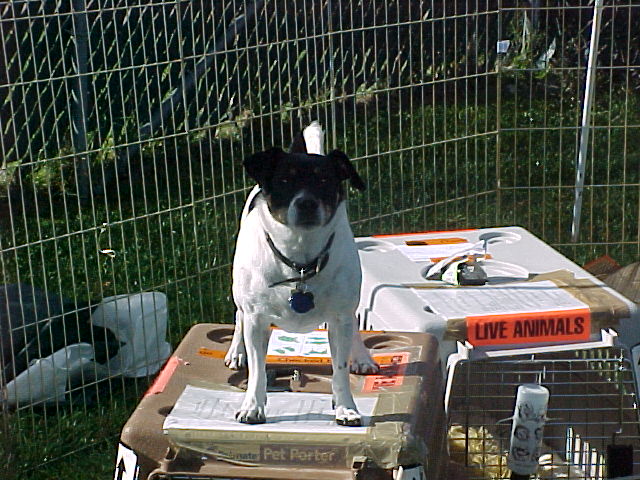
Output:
x,y
301,302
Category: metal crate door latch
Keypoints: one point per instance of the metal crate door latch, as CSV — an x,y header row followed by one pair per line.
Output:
x,y
409,473
635,362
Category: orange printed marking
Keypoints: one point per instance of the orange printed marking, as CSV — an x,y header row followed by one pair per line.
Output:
x,y
284,359
278,359
391,374
387,235
164,376
435,241
531,327
209,353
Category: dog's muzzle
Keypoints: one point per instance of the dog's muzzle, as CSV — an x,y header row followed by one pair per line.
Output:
x,y
306,212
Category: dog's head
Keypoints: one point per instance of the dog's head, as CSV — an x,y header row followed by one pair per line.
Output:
x,y
302,190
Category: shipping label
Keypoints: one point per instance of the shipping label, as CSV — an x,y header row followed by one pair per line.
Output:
x,y
530,327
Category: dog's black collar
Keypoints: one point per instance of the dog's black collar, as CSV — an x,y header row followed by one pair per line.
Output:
x,y
252,205
307,270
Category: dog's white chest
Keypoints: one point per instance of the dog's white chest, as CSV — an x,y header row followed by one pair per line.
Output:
x,y
264,284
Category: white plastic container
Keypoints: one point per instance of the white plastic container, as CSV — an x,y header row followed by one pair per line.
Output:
x,y
527,429
47,378
139,323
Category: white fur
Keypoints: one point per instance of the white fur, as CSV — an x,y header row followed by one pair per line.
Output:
x,y
314,138
336,291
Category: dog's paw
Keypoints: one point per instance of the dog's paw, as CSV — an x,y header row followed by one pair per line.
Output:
x,y
363,364
251,416
236,358
348,416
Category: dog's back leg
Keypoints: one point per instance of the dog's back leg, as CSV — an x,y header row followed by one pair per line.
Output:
x,y
361,361
236,357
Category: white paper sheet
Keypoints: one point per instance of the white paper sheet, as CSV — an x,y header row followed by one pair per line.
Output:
x,y
314,344
461,302
426,253
206,409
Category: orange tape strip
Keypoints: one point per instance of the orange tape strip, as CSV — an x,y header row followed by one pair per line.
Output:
x,y
207,352
530,327
294,359
164,376
281,359
435,241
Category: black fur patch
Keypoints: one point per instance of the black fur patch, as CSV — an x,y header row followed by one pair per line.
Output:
x,y
284,176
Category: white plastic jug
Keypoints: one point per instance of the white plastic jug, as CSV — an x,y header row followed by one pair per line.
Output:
x,y
46,378
139,322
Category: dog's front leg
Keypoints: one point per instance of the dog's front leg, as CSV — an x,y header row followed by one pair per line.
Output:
x,y
361,361
340,337
236,357
256,340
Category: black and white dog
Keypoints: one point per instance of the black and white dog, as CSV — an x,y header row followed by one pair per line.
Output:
x,y
296,266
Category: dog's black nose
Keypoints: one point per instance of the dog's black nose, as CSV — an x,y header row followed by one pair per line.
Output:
x,y
306,204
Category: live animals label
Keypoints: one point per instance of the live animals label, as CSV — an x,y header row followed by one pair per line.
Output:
x,y
530,327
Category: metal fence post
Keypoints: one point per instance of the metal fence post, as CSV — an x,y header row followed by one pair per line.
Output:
x,y
332,74
79,104
586,119
500,51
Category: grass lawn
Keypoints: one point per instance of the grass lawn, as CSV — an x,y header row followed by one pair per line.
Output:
x,y
426,168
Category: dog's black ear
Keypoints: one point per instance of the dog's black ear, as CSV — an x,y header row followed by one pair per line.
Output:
x,y
298,145
346,170
260,166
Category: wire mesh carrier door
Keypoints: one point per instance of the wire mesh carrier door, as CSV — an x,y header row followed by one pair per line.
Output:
x,y
592,430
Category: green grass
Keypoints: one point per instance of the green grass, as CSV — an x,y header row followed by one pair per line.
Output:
x,y
426,168
67,441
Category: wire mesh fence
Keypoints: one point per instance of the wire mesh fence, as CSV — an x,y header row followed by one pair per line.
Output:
x,y
542,92
123,125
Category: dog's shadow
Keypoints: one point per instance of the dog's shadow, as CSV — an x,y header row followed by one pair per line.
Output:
x,y
367,421
302,417
390,417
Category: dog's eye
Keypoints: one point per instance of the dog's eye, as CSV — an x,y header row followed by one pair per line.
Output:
x,y
324,179
283,180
